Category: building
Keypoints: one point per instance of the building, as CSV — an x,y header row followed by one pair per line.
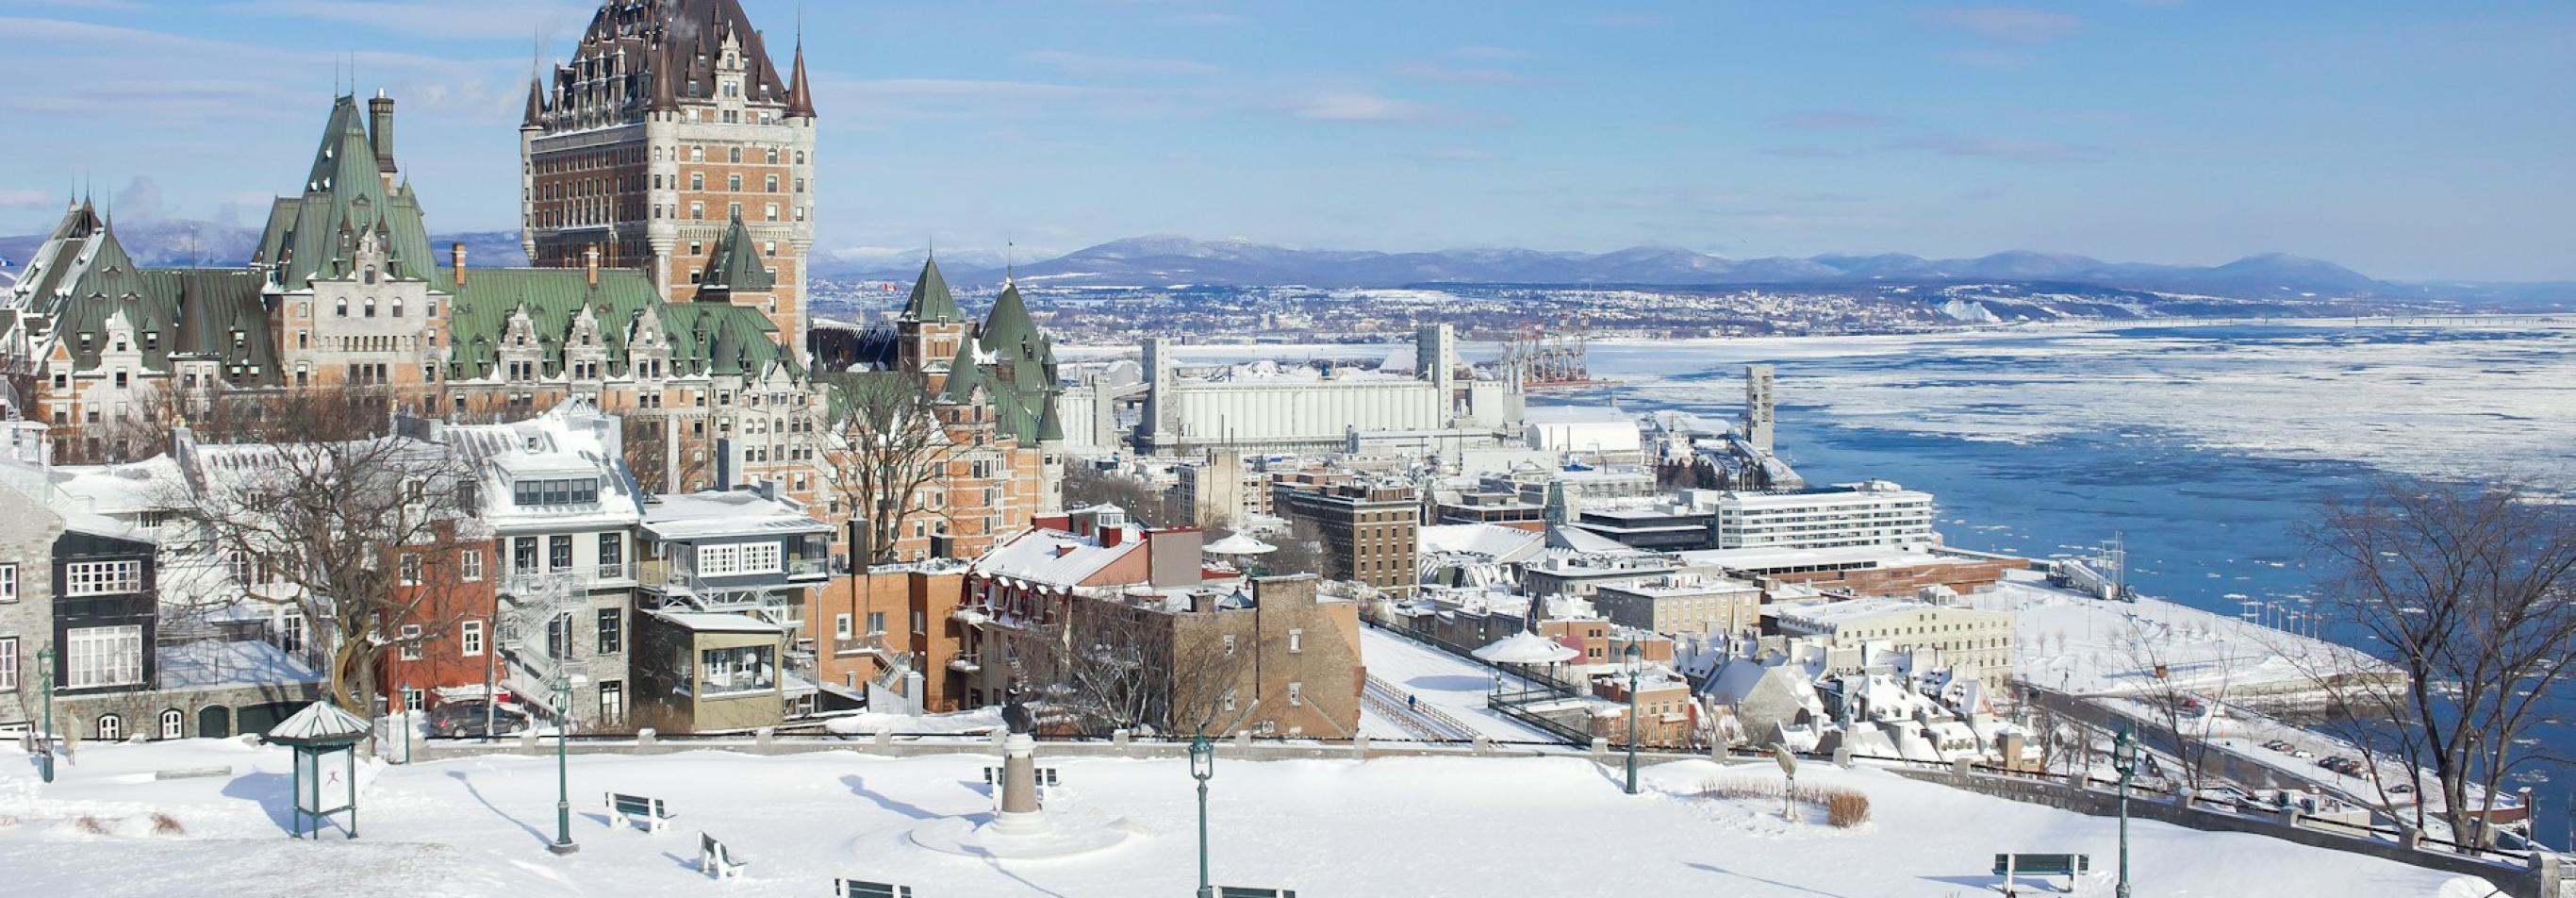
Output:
x,y
707,672
1667,717
1594,432
671,122
1220,490
1873,513
740,552
1972,642
1892,571
1267,407
1370,527
1679,604
444,651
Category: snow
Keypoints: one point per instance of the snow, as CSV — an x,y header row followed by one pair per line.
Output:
x,y
1449,826
2084,646
1454,685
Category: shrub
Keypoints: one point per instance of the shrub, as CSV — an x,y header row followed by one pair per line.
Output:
x,y
92,826
166,825
1844,807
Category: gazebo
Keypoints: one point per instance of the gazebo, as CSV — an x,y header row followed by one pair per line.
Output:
x,y
1525,649
325,739
1239,548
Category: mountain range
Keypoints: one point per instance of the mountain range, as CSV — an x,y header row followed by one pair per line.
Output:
x,y
1159,261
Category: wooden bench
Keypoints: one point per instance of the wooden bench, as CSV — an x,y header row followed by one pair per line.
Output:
x,y
860,888
715,860
1250,892
636,807
2066,865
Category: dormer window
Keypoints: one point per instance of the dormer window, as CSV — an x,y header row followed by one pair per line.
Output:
x,y
151,339
371,274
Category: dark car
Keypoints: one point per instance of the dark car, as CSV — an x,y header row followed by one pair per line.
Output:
x,y
468,719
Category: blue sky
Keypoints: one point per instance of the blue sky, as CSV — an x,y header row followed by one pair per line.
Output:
x,y
2405,139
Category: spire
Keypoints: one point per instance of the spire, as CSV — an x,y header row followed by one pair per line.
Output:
x,y
536,105
800,92
931,303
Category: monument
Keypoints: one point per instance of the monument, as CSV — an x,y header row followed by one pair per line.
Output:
x,y
1022,827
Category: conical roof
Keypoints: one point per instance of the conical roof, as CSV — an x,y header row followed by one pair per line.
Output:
x,y
931,303
1527,648
320,723
800,92
1008,325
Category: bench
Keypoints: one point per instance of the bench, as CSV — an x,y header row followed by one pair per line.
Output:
x,y
715,860
2066,865
860,888
1250,892
636,807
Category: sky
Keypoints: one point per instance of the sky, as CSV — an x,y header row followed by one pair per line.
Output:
x,y
2407,140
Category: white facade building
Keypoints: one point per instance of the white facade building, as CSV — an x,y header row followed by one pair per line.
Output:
x,y
1266,406
1875,513
1968,641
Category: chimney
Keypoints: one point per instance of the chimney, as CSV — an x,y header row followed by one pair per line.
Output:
x,y
456,252
380,130
590,262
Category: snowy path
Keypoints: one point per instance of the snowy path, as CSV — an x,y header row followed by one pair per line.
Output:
x,y
1428,827
1453,686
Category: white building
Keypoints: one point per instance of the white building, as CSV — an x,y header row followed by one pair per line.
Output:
x,y
1598,431
1970,642
1873,513
1266,406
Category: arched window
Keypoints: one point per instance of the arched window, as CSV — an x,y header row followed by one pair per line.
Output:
x,y
344,307
173,724
371,307
397,308
111,728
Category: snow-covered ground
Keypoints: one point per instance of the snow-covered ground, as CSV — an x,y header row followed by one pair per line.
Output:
x,y
1395,826
2083,646
1454,685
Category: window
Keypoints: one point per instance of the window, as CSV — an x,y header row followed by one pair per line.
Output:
x,y
397,310
920,622
343,308
733,183
111,728
411,642
1296,694
612,700
742,669
9,582
413,699
371,307
697,180
1229,645
1229,701
99,578
8,664
291,631
743,558
523,554
559,552
876,622
840,626
469,564
612,555
469,639
612,635
772,183
103,656
1296,641
410,569
173,724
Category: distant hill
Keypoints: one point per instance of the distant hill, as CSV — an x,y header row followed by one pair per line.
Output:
x,y
183,243
1167,260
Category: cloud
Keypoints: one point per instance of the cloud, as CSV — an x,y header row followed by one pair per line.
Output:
x,y
1455,154
2036,152
141,200
514,19
2001,23
30,199
175,80
1442,74
965,98
1363,107
1085,65
1831,121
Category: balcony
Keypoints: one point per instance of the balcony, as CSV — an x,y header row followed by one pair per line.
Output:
x,y
809,568
873,643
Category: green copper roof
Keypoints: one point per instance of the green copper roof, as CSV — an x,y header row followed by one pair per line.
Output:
x,y
734,264
706,338
316,234
213,313
931,302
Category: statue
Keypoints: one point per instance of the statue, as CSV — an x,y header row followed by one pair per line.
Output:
x,y
1017,718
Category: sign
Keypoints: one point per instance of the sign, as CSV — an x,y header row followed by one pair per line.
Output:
x,y
322,780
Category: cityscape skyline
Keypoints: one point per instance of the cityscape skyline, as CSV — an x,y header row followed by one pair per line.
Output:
x,y
2394,140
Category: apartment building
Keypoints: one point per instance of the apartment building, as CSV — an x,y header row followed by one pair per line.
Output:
x,y
1370,527
1973,642
1683,604
1872,513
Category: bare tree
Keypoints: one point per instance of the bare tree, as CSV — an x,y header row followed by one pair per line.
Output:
x,y
652,445
890,448
1102,664
1085,485
1301,551
2470,594
2181,705
355,533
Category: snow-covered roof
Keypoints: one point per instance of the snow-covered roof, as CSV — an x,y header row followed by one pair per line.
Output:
x,y
1493,541
1238,544
683,516
320,723
1054,557
1527,648
711,622
1835,614
218,664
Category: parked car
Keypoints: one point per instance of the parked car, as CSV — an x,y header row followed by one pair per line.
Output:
x,y
468,719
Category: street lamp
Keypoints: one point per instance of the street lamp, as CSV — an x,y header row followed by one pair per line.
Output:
x,y
2124,758
563,732
1635,657
1202,766
45,743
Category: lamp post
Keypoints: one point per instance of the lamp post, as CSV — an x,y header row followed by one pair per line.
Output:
x,y
45,740
1202,766
2124,759
563,783
1635,656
